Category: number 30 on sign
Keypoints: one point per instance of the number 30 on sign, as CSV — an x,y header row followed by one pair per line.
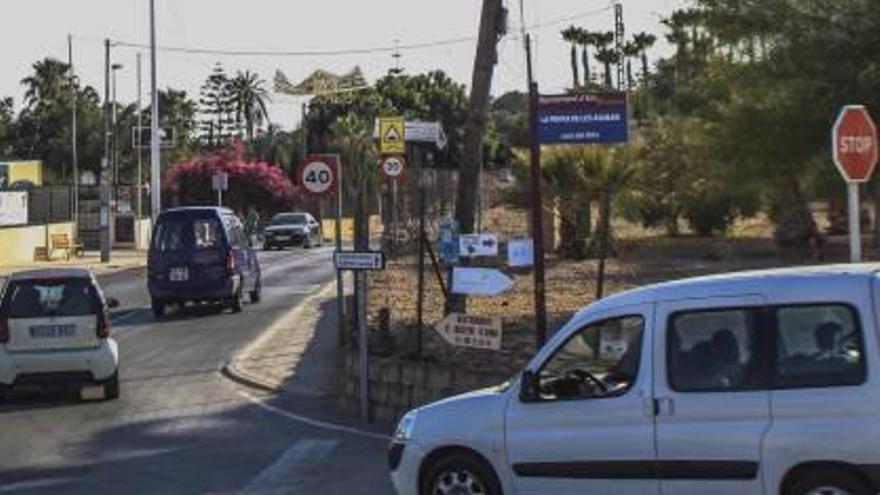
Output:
x,y
319,174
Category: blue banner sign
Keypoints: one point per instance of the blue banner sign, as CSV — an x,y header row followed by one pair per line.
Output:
x,y
583,119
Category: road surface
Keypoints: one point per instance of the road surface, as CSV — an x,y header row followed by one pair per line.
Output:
x,y
179,426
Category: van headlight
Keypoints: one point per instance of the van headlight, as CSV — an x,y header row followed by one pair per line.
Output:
x,y
405,428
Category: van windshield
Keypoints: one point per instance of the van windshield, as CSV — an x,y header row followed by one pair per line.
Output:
x,y
178,234
46,298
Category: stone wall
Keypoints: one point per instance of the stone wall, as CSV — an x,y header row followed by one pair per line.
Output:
x,y
397,384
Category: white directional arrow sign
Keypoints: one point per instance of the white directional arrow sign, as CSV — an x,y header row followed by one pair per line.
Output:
x,y
480,281
478,332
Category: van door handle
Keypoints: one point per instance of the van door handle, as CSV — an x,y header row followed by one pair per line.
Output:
x,y
664,406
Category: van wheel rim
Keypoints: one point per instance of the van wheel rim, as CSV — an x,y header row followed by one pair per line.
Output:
x,y
828,490
458,482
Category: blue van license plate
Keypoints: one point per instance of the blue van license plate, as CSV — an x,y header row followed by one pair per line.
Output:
x,y
180,274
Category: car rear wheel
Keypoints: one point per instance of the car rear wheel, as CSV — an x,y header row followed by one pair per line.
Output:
x,y
111,387
257,293
829,482
460,474
158,306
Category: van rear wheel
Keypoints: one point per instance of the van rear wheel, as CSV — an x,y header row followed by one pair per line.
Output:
x,y
158,306
829,482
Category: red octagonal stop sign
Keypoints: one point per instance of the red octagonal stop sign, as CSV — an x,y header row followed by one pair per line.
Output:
x,y
855,143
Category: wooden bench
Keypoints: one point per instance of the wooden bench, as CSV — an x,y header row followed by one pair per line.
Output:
x,y
61,242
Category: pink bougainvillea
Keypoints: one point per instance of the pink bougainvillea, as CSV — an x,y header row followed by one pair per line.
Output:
x,y
259,184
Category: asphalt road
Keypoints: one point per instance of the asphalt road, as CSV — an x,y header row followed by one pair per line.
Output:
x,y
179,425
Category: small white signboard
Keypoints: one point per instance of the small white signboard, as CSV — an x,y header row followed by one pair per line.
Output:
x,y
351,260
520,252
220,181
472,245
478,332
480,281
13,208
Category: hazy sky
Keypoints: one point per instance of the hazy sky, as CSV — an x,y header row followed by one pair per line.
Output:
x,y
34,29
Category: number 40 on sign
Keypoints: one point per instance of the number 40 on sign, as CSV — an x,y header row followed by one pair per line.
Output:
x,y
319,174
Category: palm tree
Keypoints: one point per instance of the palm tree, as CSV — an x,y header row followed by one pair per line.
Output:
x,y
586,39
630,51
606,54
249,96
49,84
644,41
573,35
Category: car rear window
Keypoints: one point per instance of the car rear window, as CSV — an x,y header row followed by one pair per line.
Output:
x,y
289,219
177,234
47,298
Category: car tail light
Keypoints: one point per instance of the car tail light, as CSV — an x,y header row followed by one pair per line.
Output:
x,y
103,328
4,330
230,263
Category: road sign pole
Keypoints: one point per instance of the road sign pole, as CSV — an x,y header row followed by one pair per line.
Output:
x,y
393,215
855,233
340,287
537,208
363,345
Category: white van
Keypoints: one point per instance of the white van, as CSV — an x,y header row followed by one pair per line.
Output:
x,y
749,383
54,328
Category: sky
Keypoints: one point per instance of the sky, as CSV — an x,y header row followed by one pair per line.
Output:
x,y
35,29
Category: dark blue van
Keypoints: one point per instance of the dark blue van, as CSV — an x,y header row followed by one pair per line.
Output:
x,y
201,254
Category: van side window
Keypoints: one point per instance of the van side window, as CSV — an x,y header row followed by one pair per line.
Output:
x,y
714,351
818,346
601,360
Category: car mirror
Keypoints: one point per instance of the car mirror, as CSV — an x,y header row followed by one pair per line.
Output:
x,y
112,302
528,387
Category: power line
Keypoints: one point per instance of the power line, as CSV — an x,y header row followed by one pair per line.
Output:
x,y
352,51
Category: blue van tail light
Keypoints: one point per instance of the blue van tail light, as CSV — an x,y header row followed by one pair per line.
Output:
x,y
103,328
230,263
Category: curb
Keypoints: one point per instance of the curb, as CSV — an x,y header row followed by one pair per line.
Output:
x,y
233,371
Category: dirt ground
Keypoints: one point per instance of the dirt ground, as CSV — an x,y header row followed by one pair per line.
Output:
x,y
643,257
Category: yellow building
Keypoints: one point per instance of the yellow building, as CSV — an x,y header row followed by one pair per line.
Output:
x,y
11,172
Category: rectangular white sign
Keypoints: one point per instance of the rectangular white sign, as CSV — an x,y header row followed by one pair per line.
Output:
x,y
470,245
371,260
520,252
480,281
13,208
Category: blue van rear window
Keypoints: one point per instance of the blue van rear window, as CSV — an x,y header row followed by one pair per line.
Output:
x,y
176,234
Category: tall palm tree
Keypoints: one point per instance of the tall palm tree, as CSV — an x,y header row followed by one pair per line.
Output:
x,y
644,41
573,35
49,84
585,40
249,95
630,51
606,54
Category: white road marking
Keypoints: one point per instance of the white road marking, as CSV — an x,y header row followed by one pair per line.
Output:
x,y
284,473
313,422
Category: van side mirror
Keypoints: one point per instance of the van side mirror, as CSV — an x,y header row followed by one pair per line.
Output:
x,y
112,302
528,387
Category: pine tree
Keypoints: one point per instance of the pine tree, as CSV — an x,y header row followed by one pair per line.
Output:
x,y
217,106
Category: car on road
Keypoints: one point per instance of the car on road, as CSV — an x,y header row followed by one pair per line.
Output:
x,y
201,254
55,328
293,229
740,384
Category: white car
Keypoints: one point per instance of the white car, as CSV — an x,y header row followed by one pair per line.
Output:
x,y
54,328
741,384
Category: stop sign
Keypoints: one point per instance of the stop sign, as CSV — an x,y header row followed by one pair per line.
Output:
x,y
855,143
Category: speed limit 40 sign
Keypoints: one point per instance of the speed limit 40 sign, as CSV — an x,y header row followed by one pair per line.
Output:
x,y
319,174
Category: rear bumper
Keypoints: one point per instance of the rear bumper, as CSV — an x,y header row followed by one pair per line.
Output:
x,y
82,365
171,291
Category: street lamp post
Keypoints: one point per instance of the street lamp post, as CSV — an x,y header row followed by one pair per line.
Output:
x,y
155,186
115,68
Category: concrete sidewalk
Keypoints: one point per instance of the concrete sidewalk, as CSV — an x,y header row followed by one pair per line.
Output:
x,y
120,259
298,354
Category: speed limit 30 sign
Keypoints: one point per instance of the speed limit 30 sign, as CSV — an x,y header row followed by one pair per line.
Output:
x,y
319,174
392,166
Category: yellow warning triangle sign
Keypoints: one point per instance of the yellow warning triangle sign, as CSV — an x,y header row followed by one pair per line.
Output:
x,y
392,136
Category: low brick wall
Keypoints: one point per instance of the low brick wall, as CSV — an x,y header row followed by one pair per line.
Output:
x,y
397,385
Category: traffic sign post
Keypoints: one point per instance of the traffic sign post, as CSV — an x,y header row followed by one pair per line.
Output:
x,y
854,147
359,261
392,136
319,174
220,183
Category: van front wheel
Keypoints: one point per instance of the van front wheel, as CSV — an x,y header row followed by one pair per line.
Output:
x,y
460,473
829,482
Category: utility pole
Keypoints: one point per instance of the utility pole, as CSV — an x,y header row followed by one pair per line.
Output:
x,y
492,27
537,204
155,170
137,142
73,150
105,162
114,126
619,40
